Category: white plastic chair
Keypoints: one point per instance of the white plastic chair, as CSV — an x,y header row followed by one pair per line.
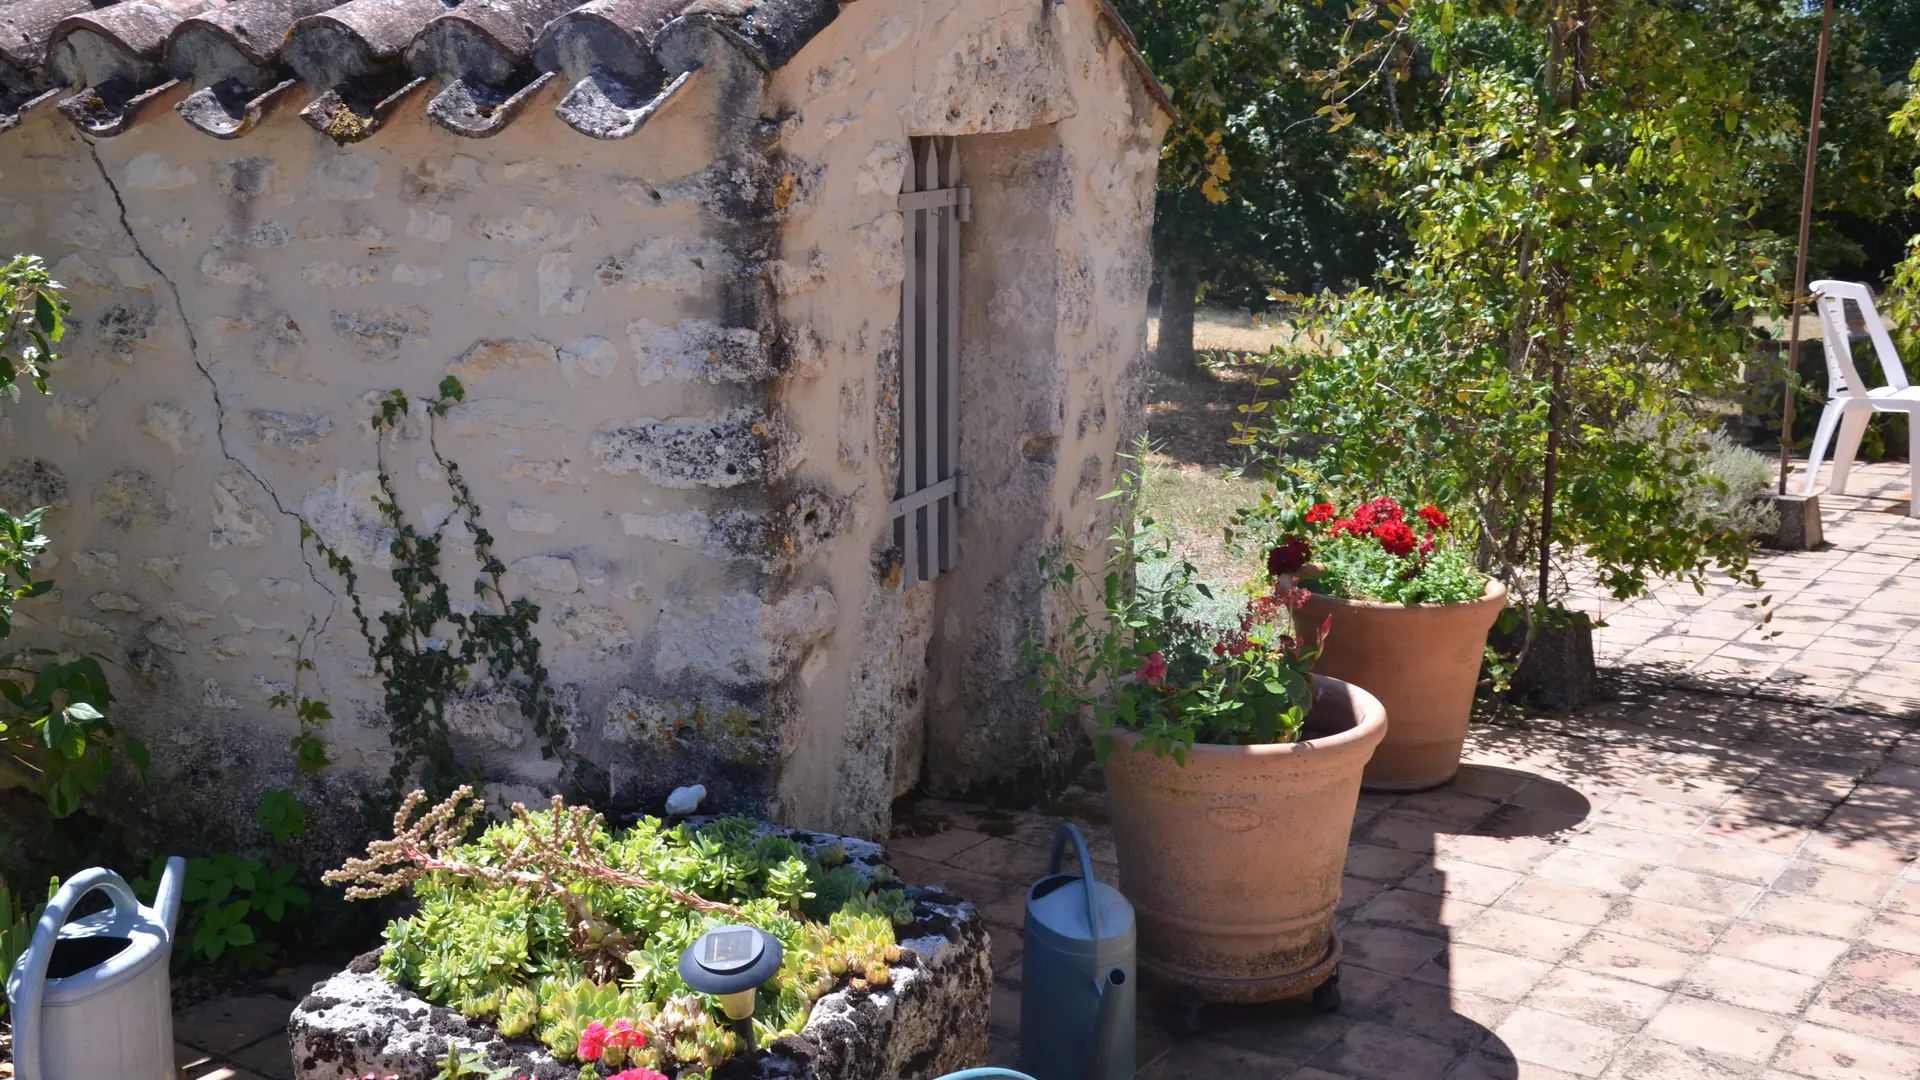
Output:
x,y
1849,403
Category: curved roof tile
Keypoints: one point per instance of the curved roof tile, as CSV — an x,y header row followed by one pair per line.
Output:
x,y
233,61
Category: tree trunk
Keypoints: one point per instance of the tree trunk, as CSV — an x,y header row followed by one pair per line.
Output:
x,y
1179,286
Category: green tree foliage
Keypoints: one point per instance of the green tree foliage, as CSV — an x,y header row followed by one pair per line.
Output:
x,y
1583,259
1253,191
54,733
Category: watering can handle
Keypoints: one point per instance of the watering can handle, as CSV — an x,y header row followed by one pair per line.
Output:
x,y
26,993
1060,839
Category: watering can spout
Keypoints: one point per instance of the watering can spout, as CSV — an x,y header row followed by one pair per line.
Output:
x,y
166,902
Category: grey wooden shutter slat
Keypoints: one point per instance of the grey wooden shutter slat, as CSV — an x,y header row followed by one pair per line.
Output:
x,y
932,487
909,387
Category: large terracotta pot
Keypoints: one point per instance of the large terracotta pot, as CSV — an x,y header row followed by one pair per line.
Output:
x,y
1421,661
1233,862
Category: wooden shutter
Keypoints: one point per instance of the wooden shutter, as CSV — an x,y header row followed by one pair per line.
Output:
x,y
932,487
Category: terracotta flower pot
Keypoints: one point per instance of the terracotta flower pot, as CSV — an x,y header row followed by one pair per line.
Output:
x,y
1233,862
1421,661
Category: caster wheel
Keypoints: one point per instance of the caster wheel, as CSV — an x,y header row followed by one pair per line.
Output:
x,y
1326,996
1188,1022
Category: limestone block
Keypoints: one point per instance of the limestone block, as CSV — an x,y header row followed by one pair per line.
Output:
x,y
673,264
261,236
546,573
117,603
164,567
74,415
698,350
229,647
123,327
428,225
237,522
130,499
878,252
885,170
526,519
172,425
72,626
487,416
152,172
379,333
297,434
341,513
726,535
247,179
343,177
333,275
412,274
28,483
588,358
220,584
742,641
555,278
104,564
493,355
600,632
723,451
494,285
220,270
165,635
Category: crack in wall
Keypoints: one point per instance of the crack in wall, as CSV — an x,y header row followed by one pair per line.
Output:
x,y
213,387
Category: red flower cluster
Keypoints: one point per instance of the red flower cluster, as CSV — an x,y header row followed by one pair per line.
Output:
x,y
597,1039
1382,519
1289,557
1154,671
1262,611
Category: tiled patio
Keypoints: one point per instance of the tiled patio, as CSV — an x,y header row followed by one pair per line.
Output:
x,y
1711,875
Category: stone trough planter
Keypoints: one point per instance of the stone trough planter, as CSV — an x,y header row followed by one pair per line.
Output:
x,y
931,1021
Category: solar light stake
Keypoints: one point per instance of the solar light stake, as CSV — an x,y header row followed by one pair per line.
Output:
x,y
732,963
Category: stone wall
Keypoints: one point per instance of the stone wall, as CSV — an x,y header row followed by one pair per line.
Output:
x,y
679,356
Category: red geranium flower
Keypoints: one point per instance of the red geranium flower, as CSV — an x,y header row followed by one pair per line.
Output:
x,y
1347,525
1320,512
1426,546
638,1073
1363,517
1395,537
1154,671
593,1041
1434,518
1290,556
626,1035
1385,509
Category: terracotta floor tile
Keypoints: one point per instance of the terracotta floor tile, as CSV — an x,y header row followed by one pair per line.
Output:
x,y
1632,959
1396,830
1602,873
1632,844
936,847
1839,884
1803,953
1645,813
1825,1054
1859,853
1545,793
1470,969
1290,1030
1380,863
1205,1057
1356,893
1521,934
1749,985
1797,776
1897,775
1873,992
227,1024
1518,853
1905,897
1726,828
1812,916
1596,999
1685,888
1439,1013
1894,930
1384,949
1469,881
1511,820
1796,810
1555,900
1725,860
1421,913
1489,781
1686,790
1647,1058
1717,1028
1457,810
1559,1042
1489,1066
1666,924
1374,1052
1877,823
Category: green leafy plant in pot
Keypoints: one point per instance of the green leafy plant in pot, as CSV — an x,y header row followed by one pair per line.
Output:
x,y
1232,770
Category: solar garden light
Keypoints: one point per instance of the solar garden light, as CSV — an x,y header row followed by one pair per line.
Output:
x,y
731,963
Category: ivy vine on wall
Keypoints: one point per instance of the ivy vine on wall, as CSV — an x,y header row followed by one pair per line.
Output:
x,y
426,650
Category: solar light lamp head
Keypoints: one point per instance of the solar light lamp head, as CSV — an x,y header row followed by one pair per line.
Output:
x,y
732,963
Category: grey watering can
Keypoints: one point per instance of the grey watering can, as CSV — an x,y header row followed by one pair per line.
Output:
x,y
91,1000
1077,980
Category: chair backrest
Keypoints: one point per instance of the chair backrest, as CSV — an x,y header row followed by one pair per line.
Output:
x,y
1830,301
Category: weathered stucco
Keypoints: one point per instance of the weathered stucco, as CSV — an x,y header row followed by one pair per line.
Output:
x,y
679,353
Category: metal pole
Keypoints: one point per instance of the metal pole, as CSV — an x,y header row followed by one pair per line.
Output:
x,y
1790,368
